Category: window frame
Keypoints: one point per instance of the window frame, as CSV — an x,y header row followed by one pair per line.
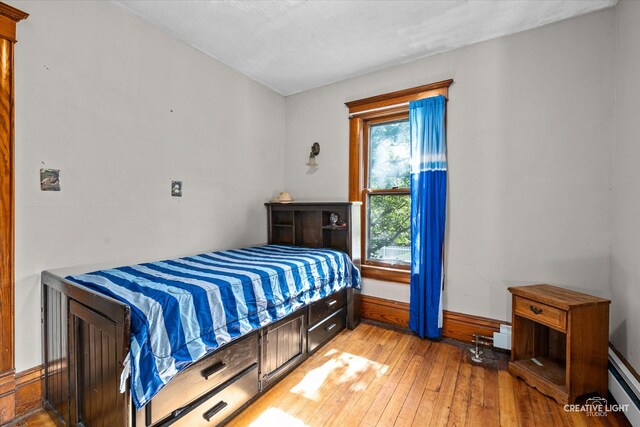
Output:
x,y
366,191
363,113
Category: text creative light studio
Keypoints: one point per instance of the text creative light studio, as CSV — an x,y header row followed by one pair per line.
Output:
x,y
596,407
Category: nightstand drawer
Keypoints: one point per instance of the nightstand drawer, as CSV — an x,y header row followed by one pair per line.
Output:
x,y
541,313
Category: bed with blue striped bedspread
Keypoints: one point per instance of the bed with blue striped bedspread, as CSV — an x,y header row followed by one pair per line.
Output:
x,y
184,308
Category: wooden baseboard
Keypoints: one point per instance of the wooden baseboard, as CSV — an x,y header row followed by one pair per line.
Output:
x,y
7,396
21,393
385,311
457,326
462,327
29,390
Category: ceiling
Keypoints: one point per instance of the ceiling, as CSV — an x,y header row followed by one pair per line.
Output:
x,y
296,45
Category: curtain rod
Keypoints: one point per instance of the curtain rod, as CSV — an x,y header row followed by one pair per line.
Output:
x,y
386,107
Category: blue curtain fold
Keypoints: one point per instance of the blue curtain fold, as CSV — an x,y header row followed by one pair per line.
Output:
x,y
428,214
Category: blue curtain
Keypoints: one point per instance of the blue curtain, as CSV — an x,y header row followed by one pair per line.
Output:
x,y
428,214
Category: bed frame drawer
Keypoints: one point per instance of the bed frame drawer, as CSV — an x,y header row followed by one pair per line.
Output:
x,y
324,307
215,407
204,375
326,329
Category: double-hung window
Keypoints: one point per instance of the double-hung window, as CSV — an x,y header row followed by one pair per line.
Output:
x,y
386,191
379,177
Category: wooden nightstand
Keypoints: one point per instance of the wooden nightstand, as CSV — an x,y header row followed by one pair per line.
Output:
x,y
559,341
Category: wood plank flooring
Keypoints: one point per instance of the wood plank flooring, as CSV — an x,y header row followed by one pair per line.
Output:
x,y
373,376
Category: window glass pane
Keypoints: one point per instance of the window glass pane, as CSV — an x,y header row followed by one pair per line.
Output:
x,y
389,154
389,228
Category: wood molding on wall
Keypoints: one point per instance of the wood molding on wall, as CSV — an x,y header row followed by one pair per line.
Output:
x,y
401,96
29,385
457,326
9,17
462,327
7,396
21,393
382,310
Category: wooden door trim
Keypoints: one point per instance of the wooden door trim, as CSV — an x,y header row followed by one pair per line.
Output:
x,y
9,16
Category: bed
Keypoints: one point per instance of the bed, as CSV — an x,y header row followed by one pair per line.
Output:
x,y
187,341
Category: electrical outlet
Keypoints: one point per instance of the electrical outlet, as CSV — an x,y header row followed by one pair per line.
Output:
x,y
176,188
50,179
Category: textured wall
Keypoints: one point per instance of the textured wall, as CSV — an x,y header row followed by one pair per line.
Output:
x,y
530,121
530,128
625,248
122,108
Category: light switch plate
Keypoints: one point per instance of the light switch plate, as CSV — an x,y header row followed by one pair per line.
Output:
x,y
50,179
176,188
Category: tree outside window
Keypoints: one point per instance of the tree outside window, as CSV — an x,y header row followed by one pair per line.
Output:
x,y
388,204
379,177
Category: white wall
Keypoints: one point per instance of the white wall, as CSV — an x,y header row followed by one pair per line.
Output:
x,y
530,125
625,248
121,109
530,121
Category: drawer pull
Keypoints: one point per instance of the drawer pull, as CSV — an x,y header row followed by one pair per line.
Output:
x,y
330,327
331,303
178,411
213,411
212,370
535,310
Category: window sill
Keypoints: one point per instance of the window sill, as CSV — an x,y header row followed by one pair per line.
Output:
x,y
386,273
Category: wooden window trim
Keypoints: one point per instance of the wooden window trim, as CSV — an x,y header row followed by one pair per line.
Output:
x,y
361,106
386,274
363,112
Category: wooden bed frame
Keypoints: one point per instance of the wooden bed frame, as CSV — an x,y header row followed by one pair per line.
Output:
x,y
86,338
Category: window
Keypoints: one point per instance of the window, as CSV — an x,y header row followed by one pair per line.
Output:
x,y
379,177
386,192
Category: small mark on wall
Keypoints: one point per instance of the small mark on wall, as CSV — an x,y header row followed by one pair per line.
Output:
x,y
176,188
49,179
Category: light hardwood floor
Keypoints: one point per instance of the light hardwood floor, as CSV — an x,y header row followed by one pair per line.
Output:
x,y
373,376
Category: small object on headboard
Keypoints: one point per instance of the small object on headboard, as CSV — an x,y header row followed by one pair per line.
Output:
x,y
50,179
176,188
333,219
283,197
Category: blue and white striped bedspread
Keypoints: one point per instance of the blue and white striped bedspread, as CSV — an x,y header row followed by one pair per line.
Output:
x,y
184,308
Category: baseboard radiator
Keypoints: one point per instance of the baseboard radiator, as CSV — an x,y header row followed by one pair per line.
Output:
x,y
624,387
